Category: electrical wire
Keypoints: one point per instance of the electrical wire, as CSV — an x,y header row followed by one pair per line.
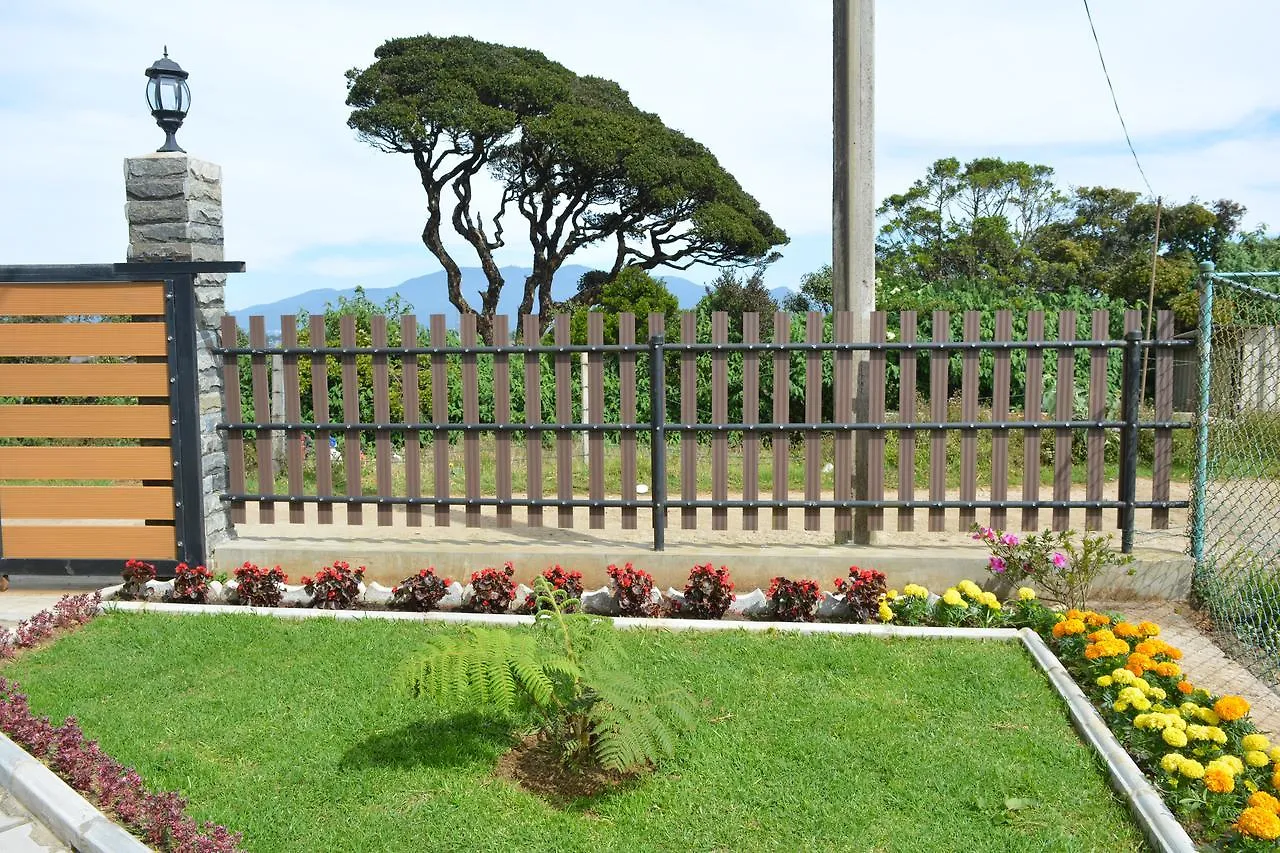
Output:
x,y
1114,100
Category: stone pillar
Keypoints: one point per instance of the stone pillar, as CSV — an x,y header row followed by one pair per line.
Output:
x,y
174,211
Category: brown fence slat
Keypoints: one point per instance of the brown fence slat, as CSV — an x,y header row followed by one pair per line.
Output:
x,y
261,392
88,463
876,370
781,414
939,367
68,541
99,298
1064,400
412,398
750,415
627,414
381,415
1000,412
41,340
84,380
231,411
969,364
1163,463
564,415
719,415
658,326
352,467
595,403
295,453
688,415
470,414
321,414
1095,439
906,414
440,415
1133,318
1033,402
842,411
531,334
502,414
48,502
69,421
813,414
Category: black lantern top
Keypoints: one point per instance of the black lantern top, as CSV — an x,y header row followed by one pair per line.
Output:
x,y
169,98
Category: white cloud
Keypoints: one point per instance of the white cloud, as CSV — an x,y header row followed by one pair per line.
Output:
x,y
751,79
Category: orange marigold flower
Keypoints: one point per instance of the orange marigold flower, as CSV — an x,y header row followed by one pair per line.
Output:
x,y
1139,663
1096,620
1258,823
1126,630
1263,800
1231,708
1076,614
1149,629
1186,687
1168,669
1099,636
1068,627
1149,647
1219,780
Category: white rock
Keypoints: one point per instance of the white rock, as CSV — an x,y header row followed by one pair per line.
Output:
x,y
752,604
832,606
642,489
453,597
110,592
828,468
157,590
675,598
376,593
296,596
217,592
600,602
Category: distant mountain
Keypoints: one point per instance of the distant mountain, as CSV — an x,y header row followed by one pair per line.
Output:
x,y
428,294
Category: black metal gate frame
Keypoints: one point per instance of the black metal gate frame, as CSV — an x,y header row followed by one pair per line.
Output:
x,y
184,401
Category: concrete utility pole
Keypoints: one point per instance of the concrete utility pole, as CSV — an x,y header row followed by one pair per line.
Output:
x,y
853,231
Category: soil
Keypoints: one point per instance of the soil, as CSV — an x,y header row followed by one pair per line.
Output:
x,y
535,765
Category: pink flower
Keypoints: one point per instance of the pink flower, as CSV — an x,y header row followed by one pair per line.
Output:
x,y
1059,559
1009,539
997,564
985,534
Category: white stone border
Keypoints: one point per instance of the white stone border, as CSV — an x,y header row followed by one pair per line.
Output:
x,y
1145,803
73,819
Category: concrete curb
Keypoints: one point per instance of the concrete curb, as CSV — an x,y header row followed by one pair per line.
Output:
x,y
1145,803
73,819
1148,807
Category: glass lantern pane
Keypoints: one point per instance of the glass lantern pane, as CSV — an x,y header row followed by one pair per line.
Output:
x,y
184,96
169,94
153,93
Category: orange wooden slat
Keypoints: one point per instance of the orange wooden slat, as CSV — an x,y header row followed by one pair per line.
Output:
x,y
84,380
142,502
111,298
30,340
69,541
52,421
85,463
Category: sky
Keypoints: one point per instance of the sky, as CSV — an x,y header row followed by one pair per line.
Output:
x,y
308,205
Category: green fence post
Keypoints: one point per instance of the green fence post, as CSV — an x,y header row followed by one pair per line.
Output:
x,y
1198,488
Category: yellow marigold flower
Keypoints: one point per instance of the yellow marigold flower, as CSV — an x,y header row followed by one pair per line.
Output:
x,y
1255,741
1275,753
952,597
1026,593
1275,777
1219,781
1217,735
886,613
916,590
969,589
1231,762
1192,769
1126,630
1174,738
1172,761
1258,822
1263,800
1256,758
1123,676
1168,669
1143,721
1096,619
1075,614
1104,681
1208,716
891,594
1157,693
1100,636
1068,628
989,600
1149,629
1231,708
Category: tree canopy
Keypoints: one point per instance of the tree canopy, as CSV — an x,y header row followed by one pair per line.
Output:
x,y
572,156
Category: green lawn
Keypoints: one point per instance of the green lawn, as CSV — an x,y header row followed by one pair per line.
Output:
x,y
290,732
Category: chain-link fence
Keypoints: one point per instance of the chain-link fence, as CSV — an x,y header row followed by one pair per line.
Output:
x,y
1235,534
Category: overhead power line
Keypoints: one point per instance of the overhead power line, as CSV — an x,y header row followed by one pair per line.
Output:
x,y
1114,100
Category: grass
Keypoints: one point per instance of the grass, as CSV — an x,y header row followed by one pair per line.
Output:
x,y
291,732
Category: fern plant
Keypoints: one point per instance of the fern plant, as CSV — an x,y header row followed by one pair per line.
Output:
x,y
571,672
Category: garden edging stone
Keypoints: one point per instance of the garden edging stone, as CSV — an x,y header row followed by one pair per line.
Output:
x,y
1145,804
73,819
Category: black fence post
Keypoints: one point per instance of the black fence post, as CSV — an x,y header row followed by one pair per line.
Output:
x,y
1131,389
658,438
184,420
